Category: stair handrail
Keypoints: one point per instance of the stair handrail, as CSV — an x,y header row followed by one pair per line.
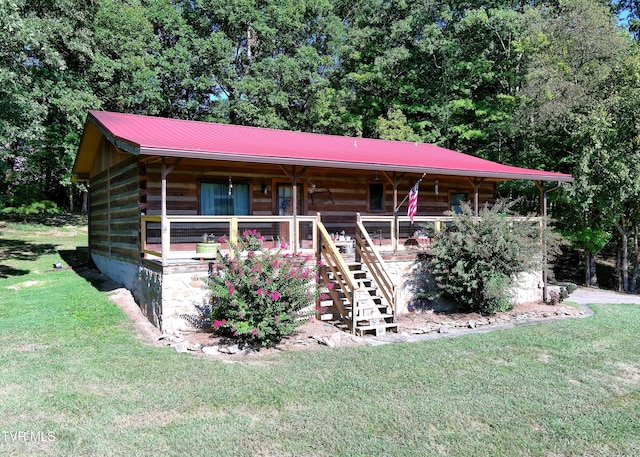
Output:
x,y
375,264
341,272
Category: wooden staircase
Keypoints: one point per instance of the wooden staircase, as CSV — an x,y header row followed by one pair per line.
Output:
x,y
358,295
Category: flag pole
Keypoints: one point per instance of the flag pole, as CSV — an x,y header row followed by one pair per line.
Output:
x,y
396,209
407,196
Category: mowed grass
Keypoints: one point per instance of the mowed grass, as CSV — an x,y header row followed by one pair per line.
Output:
x,y
76,381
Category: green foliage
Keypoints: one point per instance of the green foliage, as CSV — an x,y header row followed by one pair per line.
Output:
x,y
588,238
476,259
546,85
261,296
38,208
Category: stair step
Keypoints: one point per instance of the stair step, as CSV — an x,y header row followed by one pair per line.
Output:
x,y
374,306
386,325
377,316
375,297
358,274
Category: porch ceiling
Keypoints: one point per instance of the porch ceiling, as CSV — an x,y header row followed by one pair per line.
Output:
x,y
146,135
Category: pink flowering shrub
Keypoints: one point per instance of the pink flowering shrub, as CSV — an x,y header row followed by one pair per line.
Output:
x,y
260,296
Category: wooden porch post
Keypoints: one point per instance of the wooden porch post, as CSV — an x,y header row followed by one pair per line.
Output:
x,y
476,194
89,236
165,226
543,213
395,230
396,225
294,199
293,231
165,234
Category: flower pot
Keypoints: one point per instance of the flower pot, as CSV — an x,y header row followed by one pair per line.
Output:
x,y
211,249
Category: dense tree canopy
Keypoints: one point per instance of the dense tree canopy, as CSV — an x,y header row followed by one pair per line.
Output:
x,y
541,84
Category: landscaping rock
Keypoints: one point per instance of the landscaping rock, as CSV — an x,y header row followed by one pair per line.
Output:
x,y
327,341
181,347
331,341
209,350
233,349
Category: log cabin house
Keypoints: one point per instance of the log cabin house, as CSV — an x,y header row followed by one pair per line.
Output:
x,y
161,189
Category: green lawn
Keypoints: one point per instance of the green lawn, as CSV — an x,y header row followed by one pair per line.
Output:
x,y
74,380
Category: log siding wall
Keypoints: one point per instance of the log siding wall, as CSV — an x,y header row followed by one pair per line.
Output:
x,y
338,194
115,215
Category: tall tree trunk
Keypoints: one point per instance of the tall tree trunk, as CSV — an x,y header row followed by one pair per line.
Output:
x,y
591,276
623,251
636,261
85,196
618,271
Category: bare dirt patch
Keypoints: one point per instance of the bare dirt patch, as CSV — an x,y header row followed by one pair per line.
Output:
x,y
145,330
24,285
629,373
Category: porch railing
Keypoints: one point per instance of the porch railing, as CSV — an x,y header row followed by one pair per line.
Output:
x,y
340,272
288,233
291,234
367,253
390,234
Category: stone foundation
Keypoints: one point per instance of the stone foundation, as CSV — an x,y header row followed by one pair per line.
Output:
x,y
162,298
528,287
169,300
182,294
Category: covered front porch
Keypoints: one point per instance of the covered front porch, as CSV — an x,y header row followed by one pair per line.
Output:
x,y
199,237
364,269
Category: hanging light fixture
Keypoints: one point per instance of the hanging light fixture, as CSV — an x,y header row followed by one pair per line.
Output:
x,y
230,185
436,188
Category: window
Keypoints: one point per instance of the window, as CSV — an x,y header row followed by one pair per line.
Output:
x,y
455,198
284,200
216,201
376,197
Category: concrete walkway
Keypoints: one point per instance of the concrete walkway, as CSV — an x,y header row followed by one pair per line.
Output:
x,y
586,296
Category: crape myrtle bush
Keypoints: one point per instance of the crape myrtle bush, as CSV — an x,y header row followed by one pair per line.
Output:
x,y
260,296
474,261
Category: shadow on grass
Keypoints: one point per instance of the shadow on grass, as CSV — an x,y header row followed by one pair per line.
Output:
x,y
6,271
84,269
23,251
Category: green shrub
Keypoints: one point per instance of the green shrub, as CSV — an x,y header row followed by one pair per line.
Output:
x,y
474,260
38,208
261,296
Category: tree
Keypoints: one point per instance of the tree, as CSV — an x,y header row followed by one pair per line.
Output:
x,y
563,124
608,183
44,94
630,10
269,63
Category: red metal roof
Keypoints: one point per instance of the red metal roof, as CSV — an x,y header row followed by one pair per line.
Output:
x,y
149,135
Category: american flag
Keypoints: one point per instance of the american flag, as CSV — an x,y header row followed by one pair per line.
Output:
x,y
413,202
